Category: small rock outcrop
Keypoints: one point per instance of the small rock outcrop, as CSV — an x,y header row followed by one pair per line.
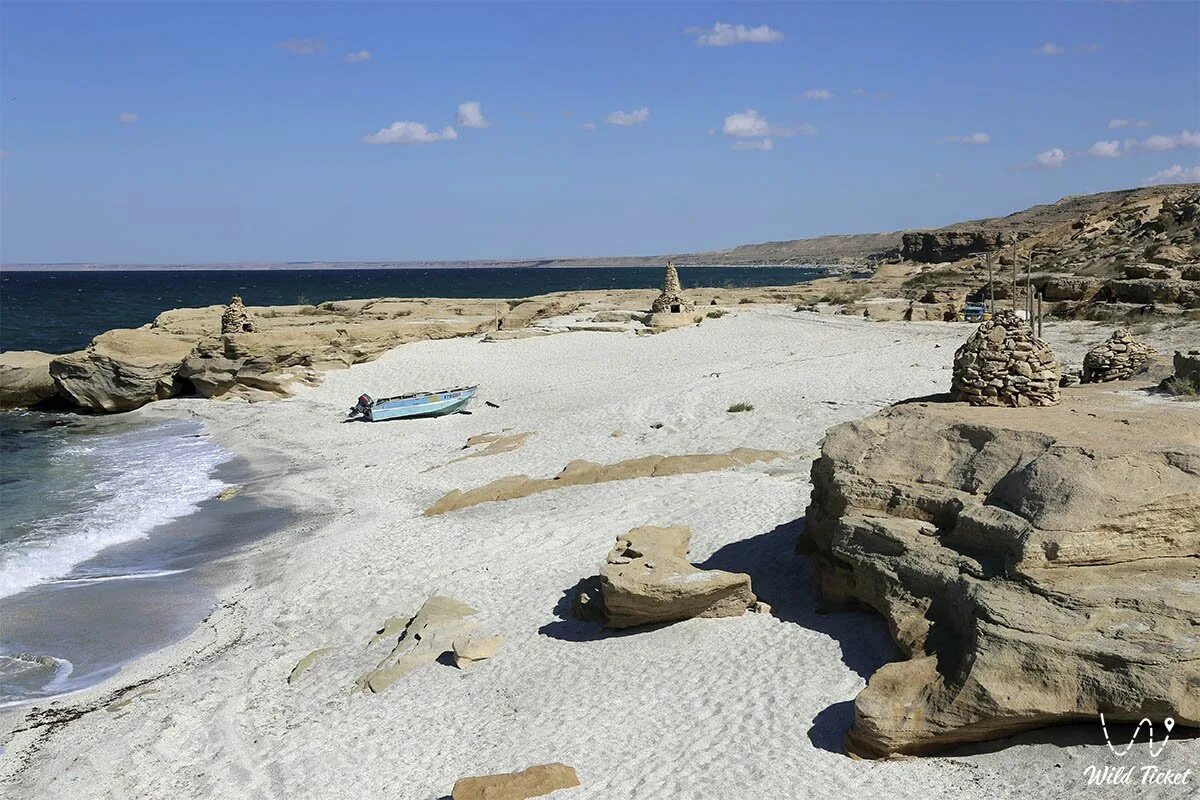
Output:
x,y
1034,567
647,579
533,782
1116,359
25,378
671,299
235,319
1003,364
421,639
122,370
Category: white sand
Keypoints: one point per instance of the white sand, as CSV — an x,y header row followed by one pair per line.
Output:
x,y
753,707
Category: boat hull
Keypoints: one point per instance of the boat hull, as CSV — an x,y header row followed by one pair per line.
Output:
x,y
429,404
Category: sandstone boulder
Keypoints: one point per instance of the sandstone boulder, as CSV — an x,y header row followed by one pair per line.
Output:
x,y
533,782
1034,567
647,579
123,369
25,378
1072,287
1116,359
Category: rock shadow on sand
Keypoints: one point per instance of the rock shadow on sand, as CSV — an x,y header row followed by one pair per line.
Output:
x,y
568,628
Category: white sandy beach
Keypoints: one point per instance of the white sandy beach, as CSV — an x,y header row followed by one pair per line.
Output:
x,y
749,707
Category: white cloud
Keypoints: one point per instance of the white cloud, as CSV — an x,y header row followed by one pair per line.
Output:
x,y
127,117
1050,49
723,35
751,124
970,138
1184,139
470,115
628,117
1126,123
761,145
359,57
588,126
303,47
1175,174
746,123
1110,149
818,94
1052,158
410,133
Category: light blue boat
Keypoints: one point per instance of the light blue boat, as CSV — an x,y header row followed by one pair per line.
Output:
x,y
420,404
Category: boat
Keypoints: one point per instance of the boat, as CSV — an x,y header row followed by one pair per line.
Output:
x,y
409,406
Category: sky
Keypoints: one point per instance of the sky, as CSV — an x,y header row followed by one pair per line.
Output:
x,y
177,132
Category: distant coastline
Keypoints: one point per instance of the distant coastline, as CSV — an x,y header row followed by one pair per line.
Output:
x,y
621,261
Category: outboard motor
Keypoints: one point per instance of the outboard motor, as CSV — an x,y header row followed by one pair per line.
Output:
x,y
364,403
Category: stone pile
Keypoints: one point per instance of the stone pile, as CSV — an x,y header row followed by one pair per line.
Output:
x,y
671,299
1116,359
1003,364
236,319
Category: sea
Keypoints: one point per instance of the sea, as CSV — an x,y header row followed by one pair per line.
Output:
x,y
108,522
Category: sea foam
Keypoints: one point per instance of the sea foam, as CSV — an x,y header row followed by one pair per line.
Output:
x,y
123,486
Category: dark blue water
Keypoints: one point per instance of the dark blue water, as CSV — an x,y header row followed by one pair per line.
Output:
x,y
59,312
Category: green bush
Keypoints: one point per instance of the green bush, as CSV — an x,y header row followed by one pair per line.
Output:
x,y
739,407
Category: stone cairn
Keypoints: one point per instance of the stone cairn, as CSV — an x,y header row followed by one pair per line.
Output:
x,y
1003,364
1116,359
236,319
671,299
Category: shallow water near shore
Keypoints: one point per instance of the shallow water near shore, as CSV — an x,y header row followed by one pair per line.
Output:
x,y
108,532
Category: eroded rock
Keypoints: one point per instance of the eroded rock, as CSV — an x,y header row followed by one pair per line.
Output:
x,y
25,378
422,640
122,369
647,579
1034,567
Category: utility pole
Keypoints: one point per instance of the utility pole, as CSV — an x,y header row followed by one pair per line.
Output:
x,y
991,286
1029,288
1014,277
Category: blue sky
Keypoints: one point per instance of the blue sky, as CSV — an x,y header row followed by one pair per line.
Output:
x,y
226,132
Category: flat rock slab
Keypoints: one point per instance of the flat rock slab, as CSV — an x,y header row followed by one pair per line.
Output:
x,y
425,637
582,473
536,781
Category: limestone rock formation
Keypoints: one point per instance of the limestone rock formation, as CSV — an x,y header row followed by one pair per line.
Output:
x,y
25,378
1003,364
1034,567
235,319
937,246
536,781
647,579
122,369
1116,359
671,299
582,473
421,640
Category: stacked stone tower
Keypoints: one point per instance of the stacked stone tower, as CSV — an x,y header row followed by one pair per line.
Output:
x,y
671,299
1003,364
236,319
1116,359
